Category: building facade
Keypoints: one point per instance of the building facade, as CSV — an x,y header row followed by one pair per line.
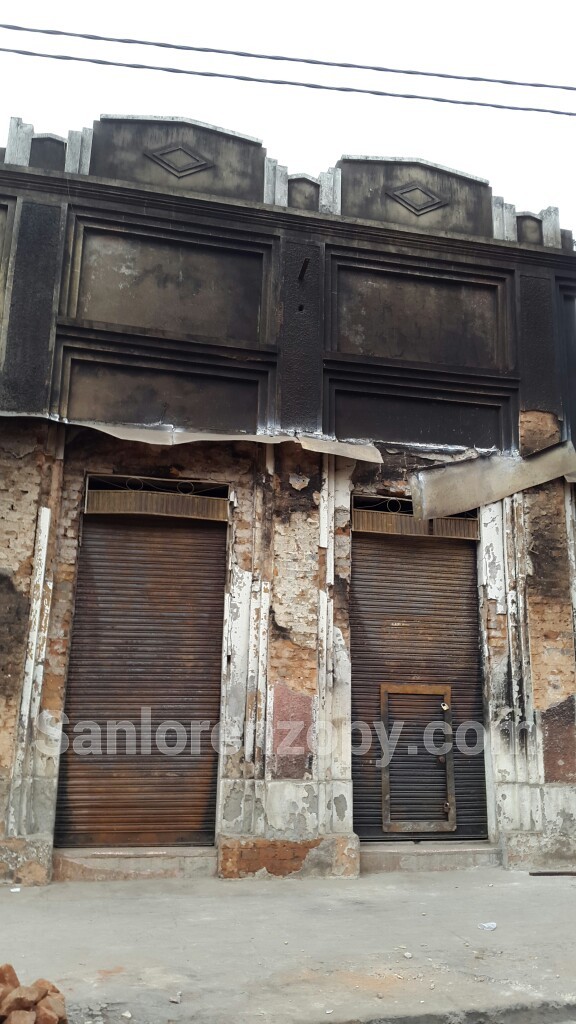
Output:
x,y
287,522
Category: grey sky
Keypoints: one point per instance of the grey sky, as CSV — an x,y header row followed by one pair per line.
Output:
x,y
528,158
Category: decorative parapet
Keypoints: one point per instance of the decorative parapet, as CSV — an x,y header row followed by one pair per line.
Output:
x,y
191,157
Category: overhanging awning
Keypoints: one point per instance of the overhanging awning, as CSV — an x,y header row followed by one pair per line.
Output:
x,y
461,486
167,434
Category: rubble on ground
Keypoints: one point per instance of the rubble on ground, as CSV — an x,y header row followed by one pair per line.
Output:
x,y
39,1003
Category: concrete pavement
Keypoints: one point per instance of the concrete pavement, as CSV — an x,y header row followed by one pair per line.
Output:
x,y
384,947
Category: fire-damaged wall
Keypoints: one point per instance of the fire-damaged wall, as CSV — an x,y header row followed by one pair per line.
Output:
x,y
274,797
28,486
285,794
526,608
20,482
177,310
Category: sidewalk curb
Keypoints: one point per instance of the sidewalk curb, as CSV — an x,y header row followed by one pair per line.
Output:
x,y
531,1013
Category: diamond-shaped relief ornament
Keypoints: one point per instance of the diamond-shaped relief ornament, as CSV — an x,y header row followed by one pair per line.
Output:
x,y
417,198
178,159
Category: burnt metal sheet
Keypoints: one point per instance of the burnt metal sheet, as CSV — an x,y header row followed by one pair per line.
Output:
x,y
461,486
147,634
414,623
167,434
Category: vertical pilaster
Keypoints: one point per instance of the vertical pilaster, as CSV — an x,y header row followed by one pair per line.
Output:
x,y
302,800
275,183
504,220
79,151
551,234
331,191
25,380
19,142
551,629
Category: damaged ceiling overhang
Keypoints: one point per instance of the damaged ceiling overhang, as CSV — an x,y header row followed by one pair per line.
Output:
x,y
461,486
167,434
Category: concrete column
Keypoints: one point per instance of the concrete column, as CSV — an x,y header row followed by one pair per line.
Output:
x,y
331,191
551,235
504,220
275,183
78,151
19,142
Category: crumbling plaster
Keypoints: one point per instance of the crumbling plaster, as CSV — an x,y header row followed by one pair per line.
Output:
x,y
527,645
25,477
286,654
279,583
302,787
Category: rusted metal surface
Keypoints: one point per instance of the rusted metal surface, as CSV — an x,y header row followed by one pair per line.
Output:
x,y
181,506
147,635
418,792
368,521
414,621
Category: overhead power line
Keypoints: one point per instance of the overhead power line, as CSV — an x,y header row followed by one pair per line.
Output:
x,y
275,56
282,81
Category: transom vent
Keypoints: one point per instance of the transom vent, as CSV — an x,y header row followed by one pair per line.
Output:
x,y
139,495
391,514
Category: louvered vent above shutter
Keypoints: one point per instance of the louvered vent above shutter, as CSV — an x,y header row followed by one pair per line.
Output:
x,y
151,496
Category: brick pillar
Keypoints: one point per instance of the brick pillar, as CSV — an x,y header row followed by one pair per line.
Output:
x,y
551,629
29,488
293,829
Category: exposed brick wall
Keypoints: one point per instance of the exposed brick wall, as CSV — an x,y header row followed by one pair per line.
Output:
x,y
288,552
240,858
559,736
551,627
293,645
324,856
538,430
550,613
496,626
23,466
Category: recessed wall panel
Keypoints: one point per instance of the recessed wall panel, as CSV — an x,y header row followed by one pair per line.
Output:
x,y
213,294
150,396
411,420
418,318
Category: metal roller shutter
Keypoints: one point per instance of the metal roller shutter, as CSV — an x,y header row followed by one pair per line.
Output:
x,y
414,621
147,633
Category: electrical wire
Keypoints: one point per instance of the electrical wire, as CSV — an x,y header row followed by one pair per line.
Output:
x,y
282,81
296,60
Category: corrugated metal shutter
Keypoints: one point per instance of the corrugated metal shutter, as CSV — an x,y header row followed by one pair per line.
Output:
x,y
147,633
414,620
